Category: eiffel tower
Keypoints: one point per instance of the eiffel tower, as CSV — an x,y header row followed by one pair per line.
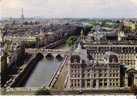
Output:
x,y
22,14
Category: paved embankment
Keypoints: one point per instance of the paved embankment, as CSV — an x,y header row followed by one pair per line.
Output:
x,y
56,75
21,78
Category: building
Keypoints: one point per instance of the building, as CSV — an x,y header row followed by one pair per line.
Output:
x,y
126,50
4,69
127,54
86,72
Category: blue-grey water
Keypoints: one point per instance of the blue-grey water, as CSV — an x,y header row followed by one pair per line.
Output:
x,y
43,72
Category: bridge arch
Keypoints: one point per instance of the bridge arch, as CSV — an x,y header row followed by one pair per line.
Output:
x,y
59,57
49,56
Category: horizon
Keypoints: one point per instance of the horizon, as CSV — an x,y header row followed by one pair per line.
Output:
x,y
69,9
39,17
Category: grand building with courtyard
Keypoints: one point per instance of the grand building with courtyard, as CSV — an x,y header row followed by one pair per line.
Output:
x,y
103,65
85,72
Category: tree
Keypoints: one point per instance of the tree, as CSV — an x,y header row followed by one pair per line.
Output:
x,y
71,40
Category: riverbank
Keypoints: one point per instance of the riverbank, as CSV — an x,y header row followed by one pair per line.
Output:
x,y
31,91
57,74
25,73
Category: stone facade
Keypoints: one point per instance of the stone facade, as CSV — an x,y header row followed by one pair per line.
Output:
x,y
98,68
127,54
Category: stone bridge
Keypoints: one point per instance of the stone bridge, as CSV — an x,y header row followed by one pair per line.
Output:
x,y
48,52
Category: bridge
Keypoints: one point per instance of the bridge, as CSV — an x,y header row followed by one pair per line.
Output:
x,y
48,52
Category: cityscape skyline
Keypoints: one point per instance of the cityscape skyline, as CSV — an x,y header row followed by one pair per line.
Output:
x,y
65,47
66,8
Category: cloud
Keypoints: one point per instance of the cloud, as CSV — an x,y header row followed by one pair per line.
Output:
x,y
134,1
70,8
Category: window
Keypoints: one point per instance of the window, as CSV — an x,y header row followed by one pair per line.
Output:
x,y
105,74
110,75
100,83
71,71
71,84
83,75
83,83
94,75
88,70
100,74
94,83
75,84
88,83
88,75
78,85
110,84
116,84
78,75
105,84
72,75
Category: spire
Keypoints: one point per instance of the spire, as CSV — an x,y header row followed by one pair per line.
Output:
x,y
82,34
22,14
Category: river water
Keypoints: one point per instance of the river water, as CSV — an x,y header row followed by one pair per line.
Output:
x,y
44,70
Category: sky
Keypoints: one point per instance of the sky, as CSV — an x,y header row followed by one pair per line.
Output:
x,y
69,8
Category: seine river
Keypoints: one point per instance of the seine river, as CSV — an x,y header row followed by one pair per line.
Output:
x,y
43,72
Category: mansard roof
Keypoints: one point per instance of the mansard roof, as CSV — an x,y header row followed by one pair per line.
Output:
x,y
132,70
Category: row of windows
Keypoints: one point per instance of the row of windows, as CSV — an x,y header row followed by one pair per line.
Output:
x,y
114,84
88,84
121,56
112,70
105,75
75,66
96,75
103,82
127,56
75,83
108,84
128,62
114,80
110,80
117,49
76,73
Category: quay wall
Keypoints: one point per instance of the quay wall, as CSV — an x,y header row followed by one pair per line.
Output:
x,y
57,73
55,44
23,76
